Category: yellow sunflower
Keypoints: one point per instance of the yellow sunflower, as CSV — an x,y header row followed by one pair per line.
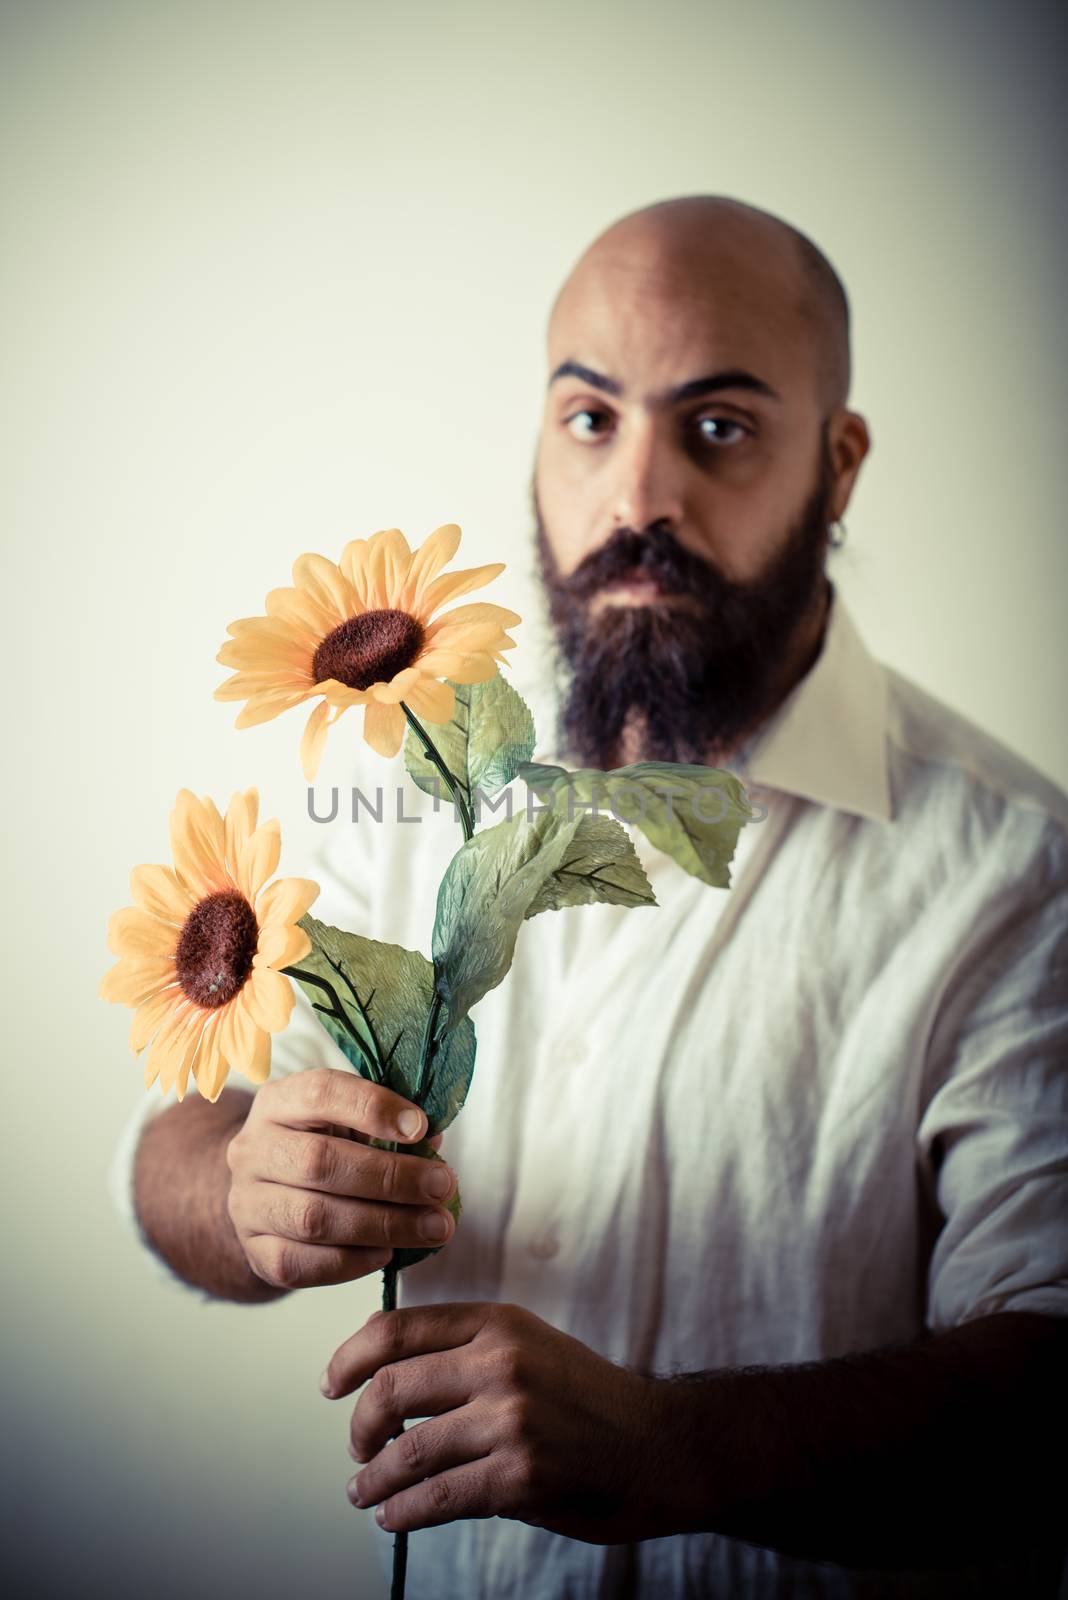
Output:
x,y
201,953
361,634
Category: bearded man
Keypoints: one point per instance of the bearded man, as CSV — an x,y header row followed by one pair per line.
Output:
x,y
762,1278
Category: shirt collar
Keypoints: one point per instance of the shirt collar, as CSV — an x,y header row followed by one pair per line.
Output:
x,y
827,741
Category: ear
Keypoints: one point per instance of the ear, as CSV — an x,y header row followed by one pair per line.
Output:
x,y
849,442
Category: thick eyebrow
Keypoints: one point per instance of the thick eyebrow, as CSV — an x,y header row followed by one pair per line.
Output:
x,y
713,383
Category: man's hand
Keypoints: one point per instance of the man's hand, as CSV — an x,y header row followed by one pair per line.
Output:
x,y
522,1421
926,1454
310,1201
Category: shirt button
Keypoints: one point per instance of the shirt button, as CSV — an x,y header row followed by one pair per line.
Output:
x,y
544,1247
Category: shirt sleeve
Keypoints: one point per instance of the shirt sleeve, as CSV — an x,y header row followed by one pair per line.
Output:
x,y
342,871
993,1135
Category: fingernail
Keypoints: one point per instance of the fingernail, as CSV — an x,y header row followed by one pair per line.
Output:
x,y
380,1516
435,1225
352,1489
438,1183
409,1123
325,1385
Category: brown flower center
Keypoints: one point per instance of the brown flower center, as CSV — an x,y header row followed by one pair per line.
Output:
x,y
370,648
216,947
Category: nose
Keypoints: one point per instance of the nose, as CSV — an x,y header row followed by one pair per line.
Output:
x,y
646,487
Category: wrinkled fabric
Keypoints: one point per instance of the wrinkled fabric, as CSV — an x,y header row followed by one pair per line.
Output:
x,y
819,1112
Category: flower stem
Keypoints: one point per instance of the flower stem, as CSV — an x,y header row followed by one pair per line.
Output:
x,y
427,1053
390,1274
460,798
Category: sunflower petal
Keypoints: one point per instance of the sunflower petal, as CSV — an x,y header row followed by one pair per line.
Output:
x,y
355,567
339,694
263,675
154,1011
383,727
440,663
269,635
477,668
159,891
301,610
328,588
135,978
434,553
239,826
198,841
391,693
210,1067
258,1068
259,859
133,932
470,637
475,614
281,946
453,584
388,561
267,657
269,998
285,900
313,741
206,819
243,685
237,1034
162,1061
185,1053
265,707
433,700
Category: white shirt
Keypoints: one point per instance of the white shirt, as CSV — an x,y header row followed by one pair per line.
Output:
x,y
815,1113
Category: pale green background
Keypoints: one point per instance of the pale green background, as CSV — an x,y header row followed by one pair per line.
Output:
x,y
275,276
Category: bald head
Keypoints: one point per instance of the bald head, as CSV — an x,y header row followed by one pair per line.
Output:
x,y
738,259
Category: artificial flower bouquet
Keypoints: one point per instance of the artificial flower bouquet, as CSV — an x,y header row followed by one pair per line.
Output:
x,y
209,954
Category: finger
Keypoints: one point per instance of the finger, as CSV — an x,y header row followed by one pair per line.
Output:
x,y
350,1133
324,1095
308,1217
430,1447
309,1160
409,1331
474,1490
287,1265
423,1386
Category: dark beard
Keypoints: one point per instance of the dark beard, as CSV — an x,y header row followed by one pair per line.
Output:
x,y
691,679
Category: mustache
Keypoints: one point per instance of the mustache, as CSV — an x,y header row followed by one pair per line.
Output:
x,y
656,555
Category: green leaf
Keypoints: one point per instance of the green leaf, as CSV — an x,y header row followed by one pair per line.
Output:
x,y
363,1052
407,1257
600,865
512,871
490,736
387,992
693,813
482,900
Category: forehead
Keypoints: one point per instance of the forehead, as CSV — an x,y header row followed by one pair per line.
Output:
x,y
653,323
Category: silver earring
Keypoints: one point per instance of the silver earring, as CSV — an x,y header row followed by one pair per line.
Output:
x,y
836,540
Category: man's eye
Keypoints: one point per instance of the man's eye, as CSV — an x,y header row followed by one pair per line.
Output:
x,y
585,424
727,430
